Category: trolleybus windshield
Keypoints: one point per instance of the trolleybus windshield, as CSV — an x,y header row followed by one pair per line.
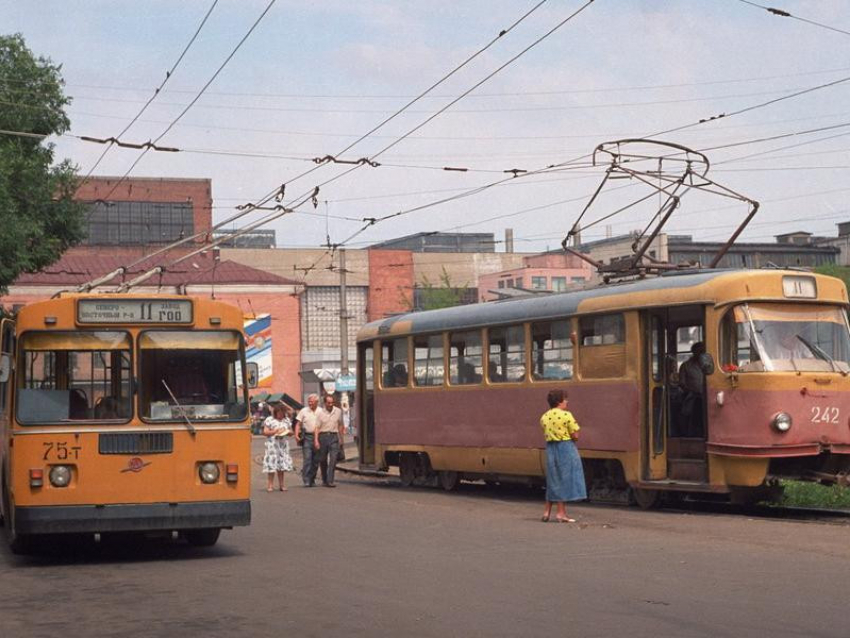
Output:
x,y
196,373
786,337
74,376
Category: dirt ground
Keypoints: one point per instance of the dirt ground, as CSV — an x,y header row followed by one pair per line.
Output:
x,y
372,558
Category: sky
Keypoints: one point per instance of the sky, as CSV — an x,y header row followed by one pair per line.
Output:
x,y
313,77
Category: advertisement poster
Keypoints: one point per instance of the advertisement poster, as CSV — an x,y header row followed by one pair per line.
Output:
x,y
258,346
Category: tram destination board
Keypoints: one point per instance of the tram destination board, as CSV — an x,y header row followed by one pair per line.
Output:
x,y
134,311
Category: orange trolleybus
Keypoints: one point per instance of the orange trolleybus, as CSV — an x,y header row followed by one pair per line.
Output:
x,y
124,413
455,394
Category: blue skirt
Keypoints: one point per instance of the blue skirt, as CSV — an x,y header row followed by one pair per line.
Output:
x,y
564,474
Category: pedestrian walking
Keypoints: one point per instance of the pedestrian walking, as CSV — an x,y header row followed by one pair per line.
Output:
x,y
328,440
564,473
305,427
277,460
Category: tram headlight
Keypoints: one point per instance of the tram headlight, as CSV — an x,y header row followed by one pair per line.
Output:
x,y
60,475
782,422
209,472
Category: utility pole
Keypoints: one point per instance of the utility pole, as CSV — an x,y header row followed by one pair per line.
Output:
x,y
343,315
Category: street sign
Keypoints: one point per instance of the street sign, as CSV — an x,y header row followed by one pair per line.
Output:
x,y
346,383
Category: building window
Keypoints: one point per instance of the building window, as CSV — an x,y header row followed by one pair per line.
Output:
x,y
518,282
507,354
551,350
603,330
510,283
138,223
559,284
501,283
394,363
538,283
578,280
428,369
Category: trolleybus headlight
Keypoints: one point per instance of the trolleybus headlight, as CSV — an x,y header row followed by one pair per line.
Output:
x,y
60,475
209,472
782,422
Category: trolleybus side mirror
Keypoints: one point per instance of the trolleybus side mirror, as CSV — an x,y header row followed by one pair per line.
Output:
x,y
5,367
252,370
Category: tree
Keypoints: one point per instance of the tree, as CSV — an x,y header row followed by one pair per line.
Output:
x,y
39,219
441,295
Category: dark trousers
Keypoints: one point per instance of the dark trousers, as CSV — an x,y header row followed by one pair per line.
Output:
x,y
308,453
326,456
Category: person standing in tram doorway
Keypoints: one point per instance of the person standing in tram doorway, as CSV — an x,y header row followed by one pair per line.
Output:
x,y
564,473
692,381
305,428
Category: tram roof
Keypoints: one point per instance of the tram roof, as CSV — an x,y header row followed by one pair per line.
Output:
x,y
695,286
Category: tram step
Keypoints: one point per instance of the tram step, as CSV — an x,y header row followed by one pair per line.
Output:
x,y
687,470
684,448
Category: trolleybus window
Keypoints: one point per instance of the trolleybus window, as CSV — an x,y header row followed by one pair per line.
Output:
x,y
785,337
394,363
507,350
602,330
551,350
428,360
74,376
466,358
196,370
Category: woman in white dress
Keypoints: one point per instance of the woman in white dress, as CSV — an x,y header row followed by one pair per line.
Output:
x,y
277,428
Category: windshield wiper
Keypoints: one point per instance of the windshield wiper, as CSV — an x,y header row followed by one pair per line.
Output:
x,y
820,353
182,410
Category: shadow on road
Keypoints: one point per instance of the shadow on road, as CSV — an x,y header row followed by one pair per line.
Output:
x,y
113,548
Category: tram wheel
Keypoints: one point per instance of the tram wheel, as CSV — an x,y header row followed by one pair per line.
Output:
x,y
646,499
448,479
206,537
407,468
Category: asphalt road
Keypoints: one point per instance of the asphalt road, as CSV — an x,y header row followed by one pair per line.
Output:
x,y
372,558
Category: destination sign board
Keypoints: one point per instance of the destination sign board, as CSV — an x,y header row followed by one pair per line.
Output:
x,y
134,311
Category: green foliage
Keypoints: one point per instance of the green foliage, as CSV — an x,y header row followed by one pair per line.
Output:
x,y
804,494
443,294
38,217
833,270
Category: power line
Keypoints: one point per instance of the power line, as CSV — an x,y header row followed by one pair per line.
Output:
x,y
156,92
197,97
785,14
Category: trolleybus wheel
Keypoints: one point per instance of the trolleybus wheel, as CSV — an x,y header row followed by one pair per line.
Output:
x,y
407,468
18,543
206,537
646,499
448,479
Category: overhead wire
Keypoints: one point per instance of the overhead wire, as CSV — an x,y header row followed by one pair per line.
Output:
x,y
156,92
785,14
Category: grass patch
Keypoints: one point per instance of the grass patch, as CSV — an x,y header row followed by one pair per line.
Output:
x,y
804,494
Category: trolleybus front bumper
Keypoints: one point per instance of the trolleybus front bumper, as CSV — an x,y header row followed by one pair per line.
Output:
x,y
64,519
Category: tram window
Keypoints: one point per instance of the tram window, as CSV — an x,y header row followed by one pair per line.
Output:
x,y
394,363
686,337
79,376
192,373
507,351
551,351
466,358
602,330
368,367
428,368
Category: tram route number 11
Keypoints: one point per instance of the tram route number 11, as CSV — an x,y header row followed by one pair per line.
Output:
x,y
164,315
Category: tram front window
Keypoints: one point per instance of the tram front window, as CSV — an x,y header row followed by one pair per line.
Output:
x,y
786,337
74,376
195,373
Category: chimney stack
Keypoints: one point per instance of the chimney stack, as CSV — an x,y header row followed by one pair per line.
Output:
x,y
509,240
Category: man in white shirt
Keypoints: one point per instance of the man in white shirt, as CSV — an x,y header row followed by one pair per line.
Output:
x,y
328,437
305,428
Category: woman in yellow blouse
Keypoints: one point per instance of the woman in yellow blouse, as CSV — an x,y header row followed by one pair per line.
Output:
x,y
564,473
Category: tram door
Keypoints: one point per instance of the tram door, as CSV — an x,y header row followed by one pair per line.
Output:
x,y
366,403
653,440
674,438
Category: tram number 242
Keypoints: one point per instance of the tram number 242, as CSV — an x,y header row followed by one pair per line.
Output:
x,y
825,415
